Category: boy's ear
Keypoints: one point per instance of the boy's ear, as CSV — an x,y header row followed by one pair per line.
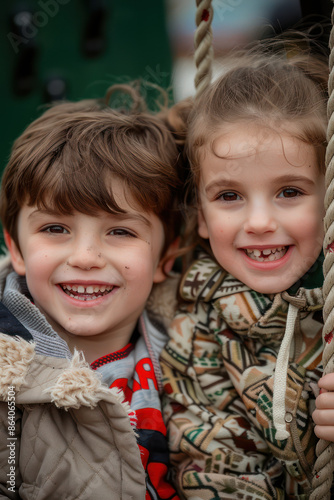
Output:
x,y
15,254
202,226
165,263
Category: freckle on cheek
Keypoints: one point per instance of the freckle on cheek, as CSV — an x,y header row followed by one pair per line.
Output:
x,y
126,267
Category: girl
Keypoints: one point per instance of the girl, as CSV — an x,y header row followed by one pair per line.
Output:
x,y
244,356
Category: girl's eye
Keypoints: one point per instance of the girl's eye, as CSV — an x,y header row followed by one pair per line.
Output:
x,y
289,193
120,232
55,229
229,196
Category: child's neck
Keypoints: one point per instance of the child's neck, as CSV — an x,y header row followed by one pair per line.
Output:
x,y
97,346
94,348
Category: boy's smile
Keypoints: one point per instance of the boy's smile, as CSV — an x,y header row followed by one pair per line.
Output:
x,y
83,291
90,275
261,198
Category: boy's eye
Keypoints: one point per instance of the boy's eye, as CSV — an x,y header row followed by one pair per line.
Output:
x,y
289,193
120,232
229,196
55,229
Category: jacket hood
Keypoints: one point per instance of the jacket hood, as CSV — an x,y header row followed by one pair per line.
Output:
x,y
42,379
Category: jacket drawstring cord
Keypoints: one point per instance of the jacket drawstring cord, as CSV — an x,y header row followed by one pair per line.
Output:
x,y
281,371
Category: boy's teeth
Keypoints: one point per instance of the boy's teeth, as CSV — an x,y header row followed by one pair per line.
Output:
x,y
86,293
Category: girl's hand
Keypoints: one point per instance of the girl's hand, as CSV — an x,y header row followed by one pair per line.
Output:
x,y
323,416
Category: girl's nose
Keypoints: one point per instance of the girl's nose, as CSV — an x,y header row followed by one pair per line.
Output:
x,y
260,219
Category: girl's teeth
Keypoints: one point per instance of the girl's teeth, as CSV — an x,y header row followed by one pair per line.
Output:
x,y
267,254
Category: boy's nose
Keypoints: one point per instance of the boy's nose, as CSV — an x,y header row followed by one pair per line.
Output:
x,y
260,219
86,257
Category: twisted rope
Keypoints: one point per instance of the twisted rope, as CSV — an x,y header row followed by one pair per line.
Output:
x,y
324,465
203,45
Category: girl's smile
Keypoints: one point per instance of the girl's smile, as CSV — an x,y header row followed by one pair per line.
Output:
x,y
266,254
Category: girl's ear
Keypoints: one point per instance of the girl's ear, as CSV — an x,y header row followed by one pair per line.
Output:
x,y
15,254
166,264
202,226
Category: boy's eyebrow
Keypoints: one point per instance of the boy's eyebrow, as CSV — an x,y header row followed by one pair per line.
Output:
x,y
284,179
120,216
133,216
44,211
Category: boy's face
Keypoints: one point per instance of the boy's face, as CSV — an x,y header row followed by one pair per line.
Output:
x,y
90,275
262,208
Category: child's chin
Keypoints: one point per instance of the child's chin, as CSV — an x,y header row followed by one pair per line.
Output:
x,y
271,286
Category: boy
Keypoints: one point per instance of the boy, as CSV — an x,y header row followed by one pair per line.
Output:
x,y
88,209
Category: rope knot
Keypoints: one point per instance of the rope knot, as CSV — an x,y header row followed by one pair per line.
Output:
x,y
299,301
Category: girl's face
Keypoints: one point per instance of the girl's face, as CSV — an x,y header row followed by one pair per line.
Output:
x,y
261,206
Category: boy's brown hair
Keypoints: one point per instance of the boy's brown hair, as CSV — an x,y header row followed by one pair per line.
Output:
x,y
66,160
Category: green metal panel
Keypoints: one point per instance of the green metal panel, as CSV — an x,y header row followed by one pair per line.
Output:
x,y
136,46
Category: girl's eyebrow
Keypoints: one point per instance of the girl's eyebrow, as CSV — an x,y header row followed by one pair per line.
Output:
x,y
225,183
284,179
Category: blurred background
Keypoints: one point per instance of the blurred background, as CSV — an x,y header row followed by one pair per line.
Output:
x,y
72,49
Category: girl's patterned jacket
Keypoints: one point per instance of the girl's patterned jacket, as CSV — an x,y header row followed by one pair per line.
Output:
x,y
240,373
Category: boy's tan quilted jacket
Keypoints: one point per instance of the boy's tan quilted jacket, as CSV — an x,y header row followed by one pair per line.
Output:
x,y
73,439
